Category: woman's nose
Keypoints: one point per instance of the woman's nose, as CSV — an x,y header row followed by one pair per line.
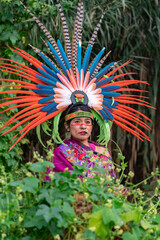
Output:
x,y
82,125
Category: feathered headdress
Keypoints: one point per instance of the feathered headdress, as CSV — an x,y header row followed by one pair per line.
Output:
x,y
67,79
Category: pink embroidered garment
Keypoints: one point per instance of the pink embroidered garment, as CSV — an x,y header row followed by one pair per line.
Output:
x,y
76,153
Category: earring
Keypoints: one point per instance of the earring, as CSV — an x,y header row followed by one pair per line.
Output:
x,y
68,134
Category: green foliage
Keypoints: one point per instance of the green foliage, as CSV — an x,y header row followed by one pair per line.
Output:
x,y
9,158
105,128
67,207
55,133
129,28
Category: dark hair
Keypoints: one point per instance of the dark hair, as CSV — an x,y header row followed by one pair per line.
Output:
x,y
76,107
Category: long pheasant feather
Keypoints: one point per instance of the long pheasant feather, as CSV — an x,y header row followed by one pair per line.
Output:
x,y
37,51
94,34
99,65
77,31
65,32
46,32
80,21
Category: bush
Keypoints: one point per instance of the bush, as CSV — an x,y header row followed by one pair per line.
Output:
x,y
13,157
68,207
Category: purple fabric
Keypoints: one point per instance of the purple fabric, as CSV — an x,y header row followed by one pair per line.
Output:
x,y
75,153
92,146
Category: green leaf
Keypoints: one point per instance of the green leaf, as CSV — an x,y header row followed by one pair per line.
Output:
x,y
104,126
46,128
133,215
34,221
2,28
16,183
138,232
27,238
44,194
129,236
68,210
44,211
118,204
89,235
38,131
49,213
53,229
96,224
55,133
111,216
29,184
40,167
145,224
157,219
108,132
13,37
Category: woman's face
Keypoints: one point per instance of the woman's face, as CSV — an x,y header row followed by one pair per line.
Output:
x,y
80,128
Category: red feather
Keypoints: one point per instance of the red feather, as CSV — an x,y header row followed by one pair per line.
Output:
x,y
18,81
132,125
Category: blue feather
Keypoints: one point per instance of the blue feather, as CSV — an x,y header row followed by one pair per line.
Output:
x,y
47,75
109,105
53,109
49,106
96,60
79,54
104,81
50,71
43,79
43,91
57,57
63,54
110,88
110,94
86,58
45,99
104,114
44,86
110,101
49,62
104,70
108,113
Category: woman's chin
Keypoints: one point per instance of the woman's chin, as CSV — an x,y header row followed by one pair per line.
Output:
x,y
80,137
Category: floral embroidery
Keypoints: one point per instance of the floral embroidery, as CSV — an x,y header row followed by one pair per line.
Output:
x,y
70,159
69,151
77,153
80,156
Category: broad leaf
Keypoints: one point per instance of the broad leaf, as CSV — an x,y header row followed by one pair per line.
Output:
x,y
40,167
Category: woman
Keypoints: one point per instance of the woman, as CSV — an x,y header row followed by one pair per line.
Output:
x,y
78,149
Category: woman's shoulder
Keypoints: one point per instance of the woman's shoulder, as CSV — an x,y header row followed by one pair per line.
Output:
x,y
61,147
99,148
102,150
65,145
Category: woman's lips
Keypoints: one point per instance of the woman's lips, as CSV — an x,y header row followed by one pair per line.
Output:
x,y
83,132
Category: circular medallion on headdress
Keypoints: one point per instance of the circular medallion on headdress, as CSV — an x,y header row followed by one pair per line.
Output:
x,y
79,97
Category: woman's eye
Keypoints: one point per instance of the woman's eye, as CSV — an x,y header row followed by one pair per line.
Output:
x,y
77,122
88,122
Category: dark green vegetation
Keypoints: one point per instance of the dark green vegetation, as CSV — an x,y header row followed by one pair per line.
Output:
x,y
68,208
130,29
